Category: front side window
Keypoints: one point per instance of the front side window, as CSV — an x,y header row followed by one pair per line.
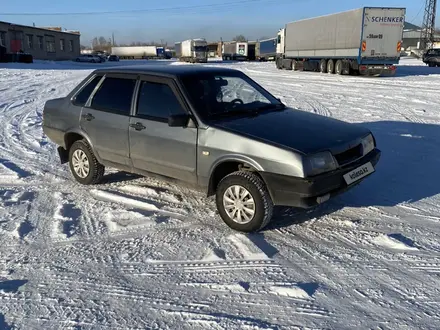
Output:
x,y
114,95
82,97
220,95
157,101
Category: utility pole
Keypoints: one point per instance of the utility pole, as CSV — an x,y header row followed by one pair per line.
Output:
x,y
113,38
427,35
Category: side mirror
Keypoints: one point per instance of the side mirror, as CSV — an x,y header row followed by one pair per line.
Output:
x,y
178,120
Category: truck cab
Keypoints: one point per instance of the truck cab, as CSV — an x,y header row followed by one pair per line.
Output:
x,y
280,42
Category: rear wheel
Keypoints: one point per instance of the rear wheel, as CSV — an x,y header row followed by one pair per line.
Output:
x,y
330,66
338,67
243,201
83,164
323,66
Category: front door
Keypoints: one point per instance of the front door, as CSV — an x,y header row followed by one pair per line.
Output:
x,y
155,146
105,118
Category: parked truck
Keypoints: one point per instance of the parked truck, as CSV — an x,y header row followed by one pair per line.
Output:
x,y
364,41
138,52
267,49
235,51
192,50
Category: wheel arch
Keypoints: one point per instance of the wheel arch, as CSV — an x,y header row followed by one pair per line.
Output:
x,y
77,134
227,165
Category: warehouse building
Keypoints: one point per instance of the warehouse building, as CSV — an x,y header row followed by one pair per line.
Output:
x,y
43,43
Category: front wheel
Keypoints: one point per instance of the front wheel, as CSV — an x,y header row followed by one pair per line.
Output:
x,y
83,164
243,201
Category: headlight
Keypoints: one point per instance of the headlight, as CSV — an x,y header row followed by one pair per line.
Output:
x,y
319,163
368,144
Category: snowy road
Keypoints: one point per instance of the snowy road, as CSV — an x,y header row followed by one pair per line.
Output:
x,y
136,253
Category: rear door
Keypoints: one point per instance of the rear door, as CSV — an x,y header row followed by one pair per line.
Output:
x,y
155,146
105,117
382,33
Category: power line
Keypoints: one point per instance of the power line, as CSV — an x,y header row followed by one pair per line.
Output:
x,y
135,10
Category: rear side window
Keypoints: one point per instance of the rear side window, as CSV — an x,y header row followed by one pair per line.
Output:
x,y
157,101
114,95
82,97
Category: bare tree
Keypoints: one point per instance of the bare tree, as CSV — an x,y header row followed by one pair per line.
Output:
x,y
240,38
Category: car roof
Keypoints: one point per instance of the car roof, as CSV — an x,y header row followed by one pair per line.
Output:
x,y
168,70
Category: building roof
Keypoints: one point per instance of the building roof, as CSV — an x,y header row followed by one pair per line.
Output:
x,y
76,33
167,70
409,26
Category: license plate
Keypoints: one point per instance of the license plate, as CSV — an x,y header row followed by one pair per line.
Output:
x,y
359,173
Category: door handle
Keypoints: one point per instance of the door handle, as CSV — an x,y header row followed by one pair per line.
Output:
x,y
88,117
138,126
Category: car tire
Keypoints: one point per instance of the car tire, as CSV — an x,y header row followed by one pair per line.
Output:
x,y
253,187
80,151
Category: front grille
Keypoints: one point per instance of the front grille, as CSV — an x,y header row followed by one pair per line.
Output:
x,y
349,155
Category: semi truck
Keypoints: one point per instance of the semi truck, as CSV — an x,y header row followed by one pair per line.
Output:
x,y
365,41
235,51
267,49
139,52
192,50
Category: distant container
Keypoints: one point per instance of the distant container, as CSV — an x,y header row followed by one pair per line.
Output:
x,y
267,49
136,52
235,51
192,50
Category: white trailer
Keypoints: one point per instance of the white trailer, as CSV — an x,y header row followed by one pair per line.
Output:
x,y
192,50
135,52
366,41
235,51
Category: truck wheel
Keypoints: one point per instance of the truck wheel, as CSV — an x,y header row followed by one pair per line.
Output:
x,y
279,64
323,66
83,164
338,67
243,201
330,66
294,65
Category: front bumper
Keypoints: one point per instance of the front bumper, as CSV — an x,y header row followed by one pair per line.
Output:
x,y
306,193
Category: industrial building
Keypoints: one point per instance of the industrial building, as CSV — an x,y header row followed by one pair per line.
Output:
x,y
411,39
42,42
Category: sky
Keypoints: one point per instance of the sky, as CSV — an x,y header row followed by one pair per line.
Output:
x,y
175,20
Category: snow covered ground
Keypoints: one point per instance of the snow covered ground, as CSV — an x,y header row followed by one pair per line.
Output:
x,y
136,253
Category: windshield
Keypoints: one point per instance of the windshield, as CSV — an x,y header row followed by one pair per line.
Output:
x,y
217,96
200,48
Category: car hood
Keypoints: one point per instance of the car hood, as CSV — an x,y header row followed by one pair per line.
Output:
x,y
302,131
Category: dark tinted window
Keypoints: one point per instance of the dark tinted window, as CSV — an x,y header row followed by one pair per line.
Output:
x,y
114,95
82,97
158,101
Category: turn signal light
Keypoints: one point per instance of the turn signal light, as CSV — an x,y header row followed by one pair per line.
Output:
x,y
364,46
